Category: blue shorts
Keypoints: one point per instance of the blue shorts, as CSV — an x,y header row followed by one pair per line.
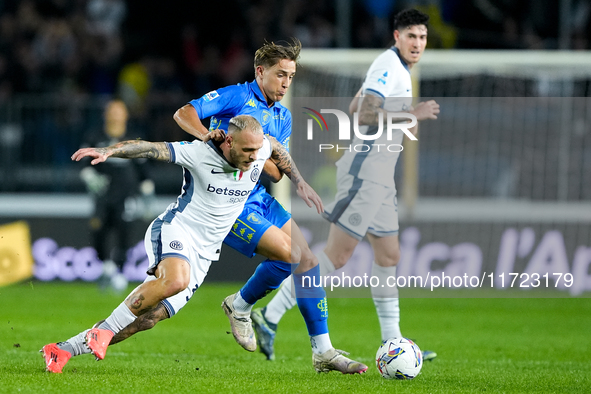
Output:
x,y
252,223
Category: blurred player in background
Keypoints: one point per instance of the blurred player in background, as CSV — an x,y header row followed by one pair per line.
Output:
x,y
113,187
365,203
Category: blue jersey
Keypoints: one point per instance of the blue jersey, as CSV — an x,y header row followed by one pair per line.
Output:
x,y
245,99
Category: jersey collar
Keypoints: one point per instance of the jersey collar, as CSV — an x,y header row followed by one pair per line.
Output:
x,y
257,92
217,149
397,52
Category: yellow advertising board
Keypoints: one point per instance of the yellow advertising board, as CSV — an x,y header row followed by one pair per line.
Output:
x,y
16,260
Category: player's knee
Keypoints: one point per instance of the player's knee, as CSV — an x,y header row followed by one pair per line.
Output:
x,y
295,254
286,251
338,255
391,258
307,260
340,259
174,286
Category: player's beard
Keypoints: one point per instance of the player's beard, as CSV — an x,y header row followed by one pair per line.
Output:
x,y
238,161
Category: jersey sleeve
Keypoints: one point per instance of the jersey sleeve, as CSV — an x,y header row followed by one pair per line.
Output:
x,y
185,154
380,78
285,132
266,150
222,101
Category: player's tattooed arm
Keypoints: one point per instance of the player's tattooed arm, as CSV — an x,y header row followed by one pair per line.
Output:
x,y
135,149
272,171
285,163
281,157
371,107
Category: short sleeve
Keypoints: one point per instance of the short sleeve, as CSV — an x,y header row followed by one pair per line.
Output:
x,y
222,101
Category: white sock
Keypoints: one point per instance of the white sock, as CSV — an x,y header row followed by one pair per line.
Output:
x,y
320,343
284,300
120,318
326,265
76,345
385,300
240,305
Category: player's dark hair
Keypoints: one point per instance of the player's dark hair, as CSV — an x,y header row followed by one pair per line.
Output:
x,y
272,53
410,17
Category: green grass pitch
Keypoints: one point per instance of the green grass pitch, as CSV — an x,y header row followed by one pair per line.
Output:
x,y
495,345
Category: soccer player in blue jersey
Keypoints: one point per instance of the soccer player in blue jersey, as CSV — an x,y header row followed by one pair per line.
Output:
x,y
264,227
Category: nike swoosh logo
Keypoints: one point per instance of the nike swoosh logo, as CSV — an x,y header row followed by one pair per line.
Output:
x,y
220,172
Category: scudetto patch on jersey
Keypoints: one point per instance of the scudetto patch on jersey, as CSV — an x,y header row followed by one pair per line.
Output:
x,y
176,245
211,95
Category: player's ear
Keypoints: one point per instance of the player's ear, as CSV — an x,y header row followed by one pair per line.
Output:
x,y
396,35
259,71
230,141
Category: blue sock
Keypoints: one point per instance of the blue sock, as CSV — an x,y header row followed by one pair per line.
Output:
x,y
311,299
266,278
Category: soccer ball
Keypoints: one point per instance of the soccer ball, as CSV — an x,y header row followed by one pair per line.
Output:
x,y
399,358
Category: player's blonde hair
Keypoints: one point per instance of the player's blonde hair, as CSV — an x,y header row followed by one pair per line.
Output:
x,y
242,122
271,53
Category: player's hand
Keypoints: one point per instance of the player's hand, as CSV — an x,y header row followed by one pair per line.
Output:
x,y
309,196
99,155
217,135
426,110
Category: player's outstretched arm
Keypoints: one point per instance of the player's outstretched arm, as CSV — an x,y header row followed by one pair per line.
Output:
x,y
134,149
285,164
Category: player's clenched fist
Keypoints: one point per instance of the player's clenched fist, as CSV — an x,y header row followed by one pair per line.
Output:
x,y
426,110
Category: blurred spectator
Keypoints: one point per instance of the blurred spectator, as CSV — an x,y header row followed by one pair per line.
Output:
x,y
113,185
135,82
54,49
77,45
236,61
581,24
199,62
311,21
105,17
5,78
